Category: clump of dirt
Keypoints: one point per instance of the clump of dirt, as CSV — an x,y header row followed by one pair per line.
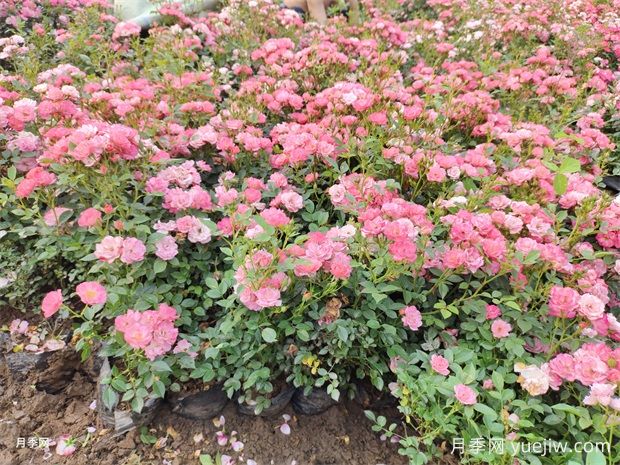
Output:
x,y
342,435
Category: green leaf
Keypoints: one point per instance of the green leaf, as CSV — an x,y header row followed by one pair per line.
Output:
x,y
206,459
160,266
595,457
110,398
160,365
343,333
560,184
570,165
269,335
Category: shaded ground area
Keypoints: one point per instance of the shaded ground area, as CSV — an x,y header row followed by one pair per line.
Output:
x,y
340,436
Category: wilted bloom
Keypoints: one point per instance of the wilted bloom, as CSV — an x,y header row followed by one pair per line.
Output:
x,y
65,445
533,379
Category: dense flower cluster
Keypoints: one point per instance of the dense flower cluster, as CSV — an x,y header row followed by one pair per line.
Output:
x,y
416,200
151,330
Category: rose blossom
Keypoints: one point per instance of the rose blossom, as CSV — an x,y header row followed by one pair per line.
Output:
x,y
600,394
89,217
133,250
412,318
464,394
51,303
500,328
440,364
109,249
65,445
591,306
563,301
92,293
166,248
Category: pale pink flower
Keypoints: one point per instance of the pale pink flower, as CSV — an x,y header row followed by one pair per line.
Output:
x,y
501,328
440,364
91,293
133,250
65,445
52,217
600,394
464,394
268,297
166,248
411,317
109,249
89,217
591,306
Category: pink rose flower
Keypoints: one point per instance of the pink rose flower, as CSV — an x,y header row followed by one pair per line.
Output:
x,y
340,266
109,249
133,250
500,328
591,306
464,394
89,217
92,293
492,312
166,248
51,303
563,302
411,317
268,297
600,394
52,217
440,364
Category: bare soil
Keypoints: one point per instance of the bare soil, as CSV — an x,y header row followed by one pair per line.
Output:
x,y
340,436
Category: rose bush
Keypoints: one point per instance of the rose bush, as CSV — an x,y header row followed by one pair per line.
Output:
x,y
415,201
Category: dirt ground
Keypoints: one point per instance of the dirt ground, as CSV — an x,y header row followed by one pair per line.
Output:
x,y
340,436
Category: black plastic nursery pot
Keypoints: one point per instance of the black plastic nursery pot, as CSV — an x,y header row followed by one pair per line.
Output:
x,y
202,405
279,402
315,402
122,420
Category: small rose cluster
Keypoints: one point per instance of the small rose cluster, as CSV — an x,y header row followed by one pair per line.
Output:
x,y
151,330
129,249
324,251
